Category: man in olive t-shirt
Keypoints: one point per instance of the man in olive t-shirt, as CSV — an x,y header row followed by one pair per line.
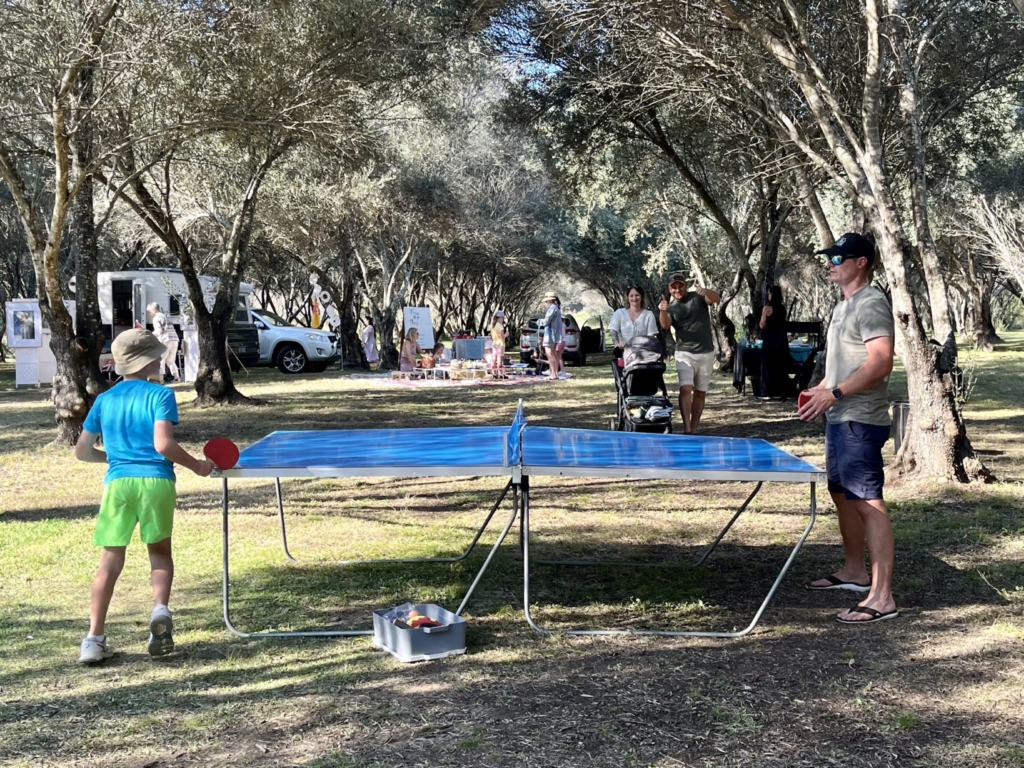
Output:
x,y
854,399
690,318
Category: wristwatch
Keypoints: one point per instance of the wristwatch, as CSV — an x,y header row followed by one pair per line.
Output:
x,y
837,393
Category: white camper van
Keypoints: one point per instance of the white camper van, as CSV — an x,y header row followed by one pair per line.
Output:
x,y
123,297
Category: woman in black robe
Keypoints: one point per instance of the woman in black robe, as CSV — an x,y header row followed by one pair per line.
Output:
x,y
776,362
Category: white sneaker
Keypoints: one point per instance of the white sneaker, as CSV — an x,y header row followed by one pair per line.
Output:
x,y
94,650
161,630
564,375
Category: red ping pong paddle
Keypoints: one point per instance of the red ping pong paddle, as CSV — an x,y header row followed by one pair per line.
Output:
x,y
222,452
802,398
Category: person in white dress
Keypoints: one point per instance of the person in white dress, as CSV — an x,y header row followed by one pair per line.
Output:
x,y
633,320
369,340
164,331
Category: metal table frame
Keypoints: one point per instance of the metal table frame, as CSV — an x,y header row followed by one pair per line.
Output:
x,y
225,503
519,474
525,539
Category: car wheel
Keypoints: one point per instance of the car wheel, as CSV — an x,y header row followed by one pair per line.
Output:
x,y
292,359
581,358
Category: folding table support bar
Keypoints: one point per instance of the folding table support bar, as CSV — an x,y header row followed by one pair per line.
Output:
x,y
525,523
454,559
641,564
354,632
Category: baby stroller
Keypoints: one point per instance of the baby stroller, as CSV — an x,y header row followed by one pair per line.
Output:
x,y
638,381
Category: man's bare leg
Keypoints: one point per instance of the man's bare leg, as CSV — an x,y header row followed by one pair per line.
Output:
x,y
696,410
878,528
851,528
685,405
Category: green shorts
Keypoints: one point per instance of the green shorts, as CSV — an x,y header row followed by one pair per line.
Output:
x,y
148,501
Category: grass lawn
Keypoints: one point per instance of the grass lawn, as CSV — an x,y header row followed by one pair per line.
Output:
x,y
943,685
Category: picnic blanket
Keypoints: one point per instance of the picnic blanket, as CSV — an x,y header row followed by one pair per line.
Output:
x,y
511,381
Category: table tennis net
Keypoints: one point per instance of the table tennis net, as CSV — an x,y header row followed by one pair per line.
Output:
x,y
514,438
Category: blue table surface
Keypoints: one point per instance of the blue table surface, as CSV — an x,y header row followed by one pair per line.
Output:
x,y
542,446
588,448
354,448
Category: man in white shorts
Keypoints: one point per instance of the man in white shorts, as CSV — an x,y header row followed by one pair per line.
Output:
x,y
689,317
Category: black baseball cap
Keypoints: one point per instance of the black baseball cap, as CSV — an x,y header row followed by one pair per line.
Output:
x,y
677,277
853,246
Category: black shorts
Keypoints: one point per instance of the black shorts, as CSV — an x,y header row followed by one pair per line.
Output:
x,y
853,459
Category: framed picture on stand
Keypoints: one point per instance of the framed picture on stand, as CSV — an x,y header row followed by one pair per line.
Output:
x,y
24,324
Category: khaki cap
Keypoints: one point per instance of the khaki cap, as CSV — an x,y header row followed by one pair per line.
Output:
x,y
134,349
550,296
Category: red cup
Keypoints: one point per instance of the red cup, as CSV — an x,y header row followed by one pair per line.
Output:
x,y
802,398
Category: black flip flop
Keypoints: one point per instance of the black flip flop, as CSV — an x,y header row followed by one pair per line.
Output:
x,y
837,583
875,615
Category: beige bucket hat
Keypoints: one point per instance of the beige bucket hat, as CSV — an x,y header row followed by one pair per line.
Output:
x,y
134,349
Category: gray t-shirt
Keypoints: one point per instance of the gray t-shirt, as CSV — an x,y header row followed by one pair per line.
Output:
x,y
691,321
864,316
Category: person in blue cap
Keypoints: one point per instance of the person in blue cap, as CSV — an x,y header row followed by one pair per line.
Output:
x,y
854,398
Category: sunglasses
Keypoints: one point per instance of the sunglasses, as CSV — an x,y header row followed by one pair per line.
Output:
x,y
837,260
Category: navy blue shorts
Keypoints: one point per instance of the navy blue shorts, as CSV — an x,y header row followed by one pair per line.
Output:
x,y
853,459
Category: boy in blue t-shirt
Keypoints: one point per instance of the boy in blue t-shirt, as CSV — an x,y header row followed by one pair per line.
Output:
x,y
136,418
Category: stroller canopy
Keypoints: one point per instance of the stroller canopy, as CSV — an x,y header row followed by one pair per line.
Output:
x,y
642,350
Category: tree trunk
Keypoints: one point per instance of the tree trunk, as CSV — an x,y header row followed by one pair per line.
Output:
x,y
384,323
88,328
77,381
214,383
977,286
809,197
71,398
911,111
722,327
344,296
936,442
987,336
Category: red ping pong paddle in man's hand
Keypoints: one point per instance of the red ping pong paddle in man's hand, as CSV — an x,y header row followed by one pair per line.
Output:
x,y
222,452
802,398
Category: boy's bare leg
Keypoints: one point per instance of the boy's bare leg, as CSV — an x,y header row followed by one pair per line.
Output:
x,y
111,565
161,572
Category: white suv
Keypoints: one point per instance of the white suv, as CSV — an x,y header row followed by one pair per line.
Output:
x,y
293,349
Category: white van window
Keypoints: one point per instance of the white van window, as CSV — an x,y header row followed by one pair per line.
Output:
x,y
272,318
241,310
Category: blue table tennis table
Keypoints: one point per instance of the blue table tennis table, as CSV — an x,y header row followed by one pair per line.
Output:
x,y
519,452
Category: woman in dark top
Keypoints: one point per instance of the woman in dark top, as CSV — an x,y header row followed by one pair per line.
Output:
x,y
775,359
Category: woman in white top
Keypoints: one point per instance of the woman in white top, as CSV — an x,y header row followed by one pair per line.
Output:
x,y
632,321
369,339
166,335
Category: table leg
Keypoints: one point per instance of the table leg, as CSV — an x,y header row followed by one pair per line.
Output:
x,y
711,547
525,518
354,632
227,592
494,549
280,514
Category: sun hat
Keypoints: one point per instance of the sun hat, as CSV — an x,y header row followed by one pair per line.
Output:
x,y
550,296
134,349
